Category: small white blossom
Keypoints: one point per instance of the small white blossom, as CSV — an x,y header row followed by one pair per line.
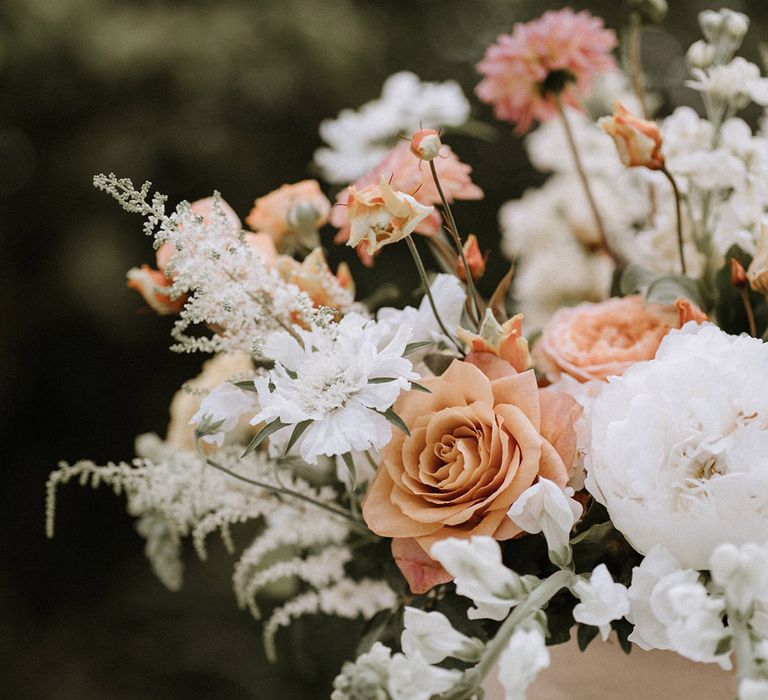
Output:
x,y
412,678
324,376
222,409
738,81
753,689
742,572
602,600
524,658
479,574
431,635
366,677
545,507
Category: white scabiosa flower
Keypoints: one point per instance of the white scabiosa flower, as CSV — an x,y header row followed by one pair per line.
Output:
x,y
524,658
431,635
545,507
220,411
479,574
602,600
337,381
679,445
742,572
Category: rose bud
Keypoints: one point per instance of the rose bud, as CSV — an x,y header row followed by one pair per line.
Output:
x,y
738,274
426,144
638,141
475,259
757,274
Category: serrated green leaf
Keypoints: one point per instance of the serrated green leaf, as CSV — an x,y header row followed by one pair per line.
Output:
x,y
298,431
420,387
668,289
414,347
263,434
350,464
396,420
634,277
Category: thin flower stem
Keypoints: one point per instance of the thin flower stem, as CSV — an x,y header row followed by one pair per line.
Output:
x,y
604,245
353,522
742,645
634,61
454,232
750,311
425,282
540,596
679,216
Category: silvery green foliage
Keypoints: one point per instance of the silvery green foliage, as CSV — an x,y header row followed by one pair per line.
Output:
x,y
229,288
175,495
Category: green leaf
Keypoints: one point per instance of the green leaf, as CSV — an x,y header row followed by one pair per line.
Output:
x,y
393,418
207,427
246,385
585,634
634,277
263,434
623,630
419,387
668,289
381,380
724,646
350,464
298,431
415,347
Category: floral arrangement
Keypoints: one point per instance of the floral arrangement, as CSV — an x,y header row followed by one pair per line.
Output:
x,y
480,484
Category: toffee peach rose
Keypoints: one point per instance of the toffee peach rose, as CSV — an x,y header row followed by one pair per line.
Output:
x,y
476,444
594,341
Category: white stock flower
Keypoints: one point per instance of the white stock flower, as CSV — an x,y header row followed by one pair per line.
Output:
x,y
358,140
738,81
602,600
221,409
366,677
323,375
524,658
412,678
431,636
479,574
753,689
679,449
545,507
742,572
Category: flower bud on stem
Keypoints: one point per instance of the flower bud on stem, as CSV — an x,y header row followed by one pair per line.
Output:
x,y
678,216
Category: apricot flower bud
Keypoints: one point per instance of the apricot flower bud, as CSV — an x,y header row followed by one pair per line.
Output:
x,y
638,141
426,144
757,274
475,259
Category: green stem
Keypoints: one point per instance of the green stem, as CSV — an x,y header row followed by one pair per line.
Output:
x,y
585,182
679,216
742,645
454,232
425,282
539,597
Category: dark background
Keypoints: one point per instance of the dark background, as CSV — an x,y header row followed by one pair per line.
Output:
x,y
196,96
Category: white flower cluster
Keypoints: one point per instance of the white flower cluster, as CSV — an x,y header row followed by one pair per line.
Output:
x,y
358,140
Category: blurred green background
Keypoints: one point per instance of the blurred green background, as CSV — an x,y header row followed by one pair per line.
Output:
x,y
196,96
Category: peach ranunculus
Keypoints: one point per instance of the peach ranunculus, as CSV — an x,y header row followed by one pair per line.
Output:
x,y
291,214
637,140
378,216
407,173
476,444
594,341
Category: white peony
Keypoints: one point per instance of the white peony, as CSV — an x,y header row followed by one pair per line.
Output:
x,y
328,376
679,445
602,600
524,658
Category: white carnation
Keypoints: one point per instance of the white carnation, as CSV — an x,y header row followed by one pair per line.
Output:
x,y
679,449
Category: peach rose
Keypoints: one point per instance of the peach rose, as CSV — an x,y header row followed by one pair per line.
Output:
x,y
476,444
638,141
595,341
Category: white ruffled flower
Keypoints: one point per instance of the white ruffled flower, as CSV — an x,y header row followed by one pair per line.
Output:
x,y
221,410
738,81
479,574
545,507
324,376
753,689
742,572
602,600
358,140
524,658
431,635
679,450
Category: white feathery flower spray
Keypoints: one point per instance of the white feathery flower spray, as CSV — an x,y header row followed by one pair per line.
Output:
x,y
332,387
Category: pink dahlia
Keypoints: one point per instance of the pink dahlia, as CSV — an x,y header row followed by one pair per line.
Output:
x,y
407,173
557,54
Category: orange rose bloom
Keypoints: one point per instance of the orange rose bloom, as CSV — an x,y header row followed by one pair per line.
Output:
x,y
476,444
595,341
